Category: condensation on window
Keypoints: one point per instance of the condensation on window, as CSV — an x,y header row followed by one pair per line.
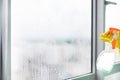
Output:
x,y
50,39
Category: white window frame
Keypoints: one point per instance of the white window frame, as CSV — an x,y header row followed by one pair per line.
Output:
x,y
98,22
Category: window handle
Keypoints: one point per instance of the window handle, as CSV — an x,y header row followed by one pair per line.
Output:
x,y
109,2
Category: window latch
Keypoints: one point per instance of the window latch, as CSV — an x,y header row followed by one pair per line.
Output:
x,y
109,2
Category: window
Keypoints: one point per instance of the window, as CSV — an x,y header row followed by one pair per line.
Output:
x,y
50,39
113,18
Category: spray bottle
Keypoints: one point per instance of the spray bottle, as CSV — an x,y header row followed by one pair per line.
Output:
x,y
106,58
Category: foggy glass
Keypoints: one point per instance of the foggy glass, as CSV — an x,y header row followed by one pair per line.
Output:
x,y
50,39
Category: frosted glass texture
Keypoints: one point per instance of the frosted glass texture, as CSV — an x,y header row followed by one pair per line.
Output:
x,y
50,39
112,19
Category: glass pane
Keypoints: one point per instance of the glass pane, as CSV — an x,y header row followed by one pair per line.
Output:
x,y
50,39
113,19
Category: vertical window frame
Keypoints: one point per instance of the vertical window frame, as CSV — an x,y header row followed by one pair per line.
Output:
x,y
0,39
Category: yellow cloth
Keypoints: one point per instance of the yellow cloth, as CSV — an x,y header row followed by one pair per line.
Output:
x,y
106,37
